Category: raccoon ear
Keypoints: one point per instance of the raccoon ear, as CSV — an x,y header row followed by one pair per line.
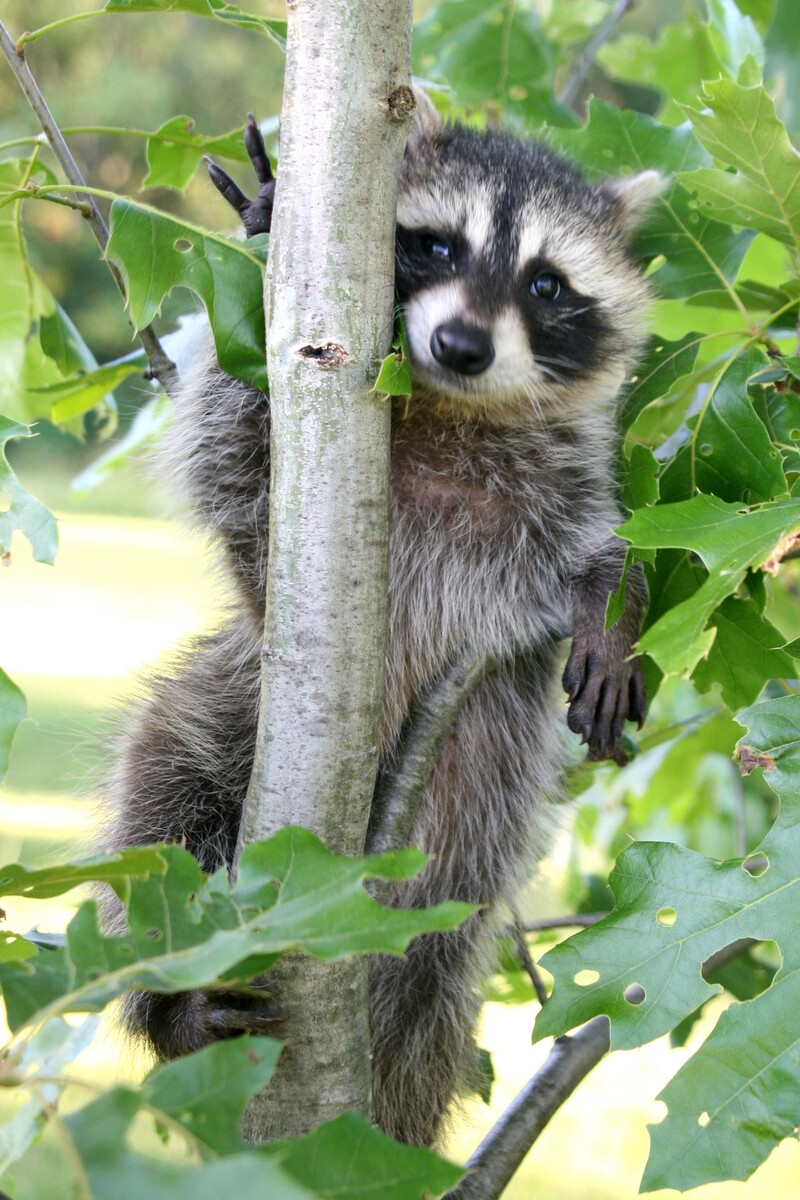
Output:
x,y
427,123
633,198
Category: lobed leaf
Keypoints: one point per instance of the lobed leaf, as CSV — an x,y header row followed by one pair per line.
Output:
x,y
495,54
157,253
732,1102
218,10
699,254
663,364
350,1157
746,653
24,512
741,129
730,452
729,538
175,150
186,930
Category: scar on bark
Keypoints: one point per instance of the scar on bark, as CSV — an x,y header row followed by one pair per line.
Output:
x,y
329,355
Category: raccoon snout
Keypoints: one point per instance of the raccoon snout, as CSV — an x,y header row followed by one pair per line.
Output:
x,y
462,348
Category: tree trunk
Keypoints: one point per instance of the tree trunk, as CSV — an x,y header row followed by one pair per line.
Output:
x,y
329,299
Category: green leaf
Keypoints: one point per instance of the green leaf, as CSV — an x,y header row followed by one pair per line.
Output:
x,y
729,538
663,364
349,1158
736,1098
114,869
13,711
45,1054
674,908
24,511
730,452
74,396
24,302
219,10
157,253
746,653
735,40
99,1137
675,62
394,377
207,1091
150,421
492,53
741,129
639,484
780,412
700,254
175,150
186,930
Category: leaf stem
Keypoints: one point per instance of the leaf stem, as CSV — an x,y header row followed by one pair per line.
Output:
x,y
35,34
161,366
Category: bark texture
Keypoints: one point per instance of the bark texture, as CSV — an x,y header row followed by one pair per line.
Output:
x,y
329,297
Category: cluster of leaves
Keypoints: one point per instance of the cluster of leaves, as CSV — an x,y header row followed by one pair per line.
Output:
x,y
187,930
710,476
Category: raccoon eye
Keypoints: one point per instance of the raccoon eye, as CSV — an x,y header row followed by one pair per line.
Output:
x,y
436,247
546,286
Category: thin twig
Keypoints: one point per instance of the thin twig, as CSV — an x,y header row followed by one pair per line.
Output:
x,y
574,920
526,958
605,30
508,1141
727,954
161,366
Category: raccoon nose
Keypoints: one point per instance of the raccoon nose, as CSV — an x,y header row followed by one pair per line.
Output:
x,y
462,348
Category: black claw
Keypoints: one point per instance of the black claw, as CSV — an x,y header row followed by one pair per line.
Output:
x,y
256,215
226,187
637,697
257,151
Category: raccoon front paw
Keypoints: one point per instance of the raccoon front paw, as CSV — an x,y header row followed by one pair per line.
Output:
x,y
605,689
256,215
181,1022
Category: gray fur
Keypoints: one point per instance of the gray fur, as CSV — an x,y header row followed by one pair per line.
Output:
x,y
502,511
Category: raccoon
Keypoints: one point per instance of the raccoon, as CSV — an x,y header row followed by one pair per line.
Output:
x,y
524,311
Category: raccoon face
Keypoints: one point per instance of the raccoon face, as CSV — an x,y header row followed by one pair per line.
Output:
x,y
514,275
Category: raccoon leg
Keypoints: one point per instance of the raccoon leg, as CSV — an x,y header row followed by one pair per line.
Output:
x,y
605,686
484,820
256,215
182,777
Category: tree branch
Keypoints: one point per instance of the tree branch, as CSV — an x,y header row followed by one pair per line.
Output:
x,y
511,1137
526,958
161,366
605,31
346,113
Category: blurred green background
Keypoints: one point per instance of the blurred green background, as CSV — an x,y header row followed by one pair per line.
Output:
x,y
130,584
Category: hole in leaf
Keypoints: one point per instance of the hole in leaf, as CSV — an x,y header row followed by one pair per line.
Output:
x,y
183,245
706,448
666,916
756,865
659,349
634,993
703,1119
155,934
584,978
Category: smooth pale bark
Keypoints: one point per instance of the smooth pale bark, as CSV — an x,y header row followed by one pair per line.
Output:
x,y
329,296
